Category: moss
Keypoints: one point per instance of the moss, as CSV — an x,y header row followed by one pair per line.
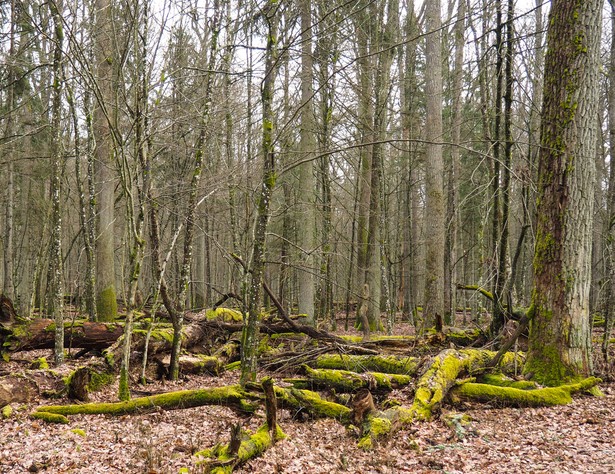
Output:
x,y
49,417
501,380
99,380
40,363
347,381
547,367
312,403
7,411
79,431
250,447
233,366
231,396
364,363
224,314
548,396
124,389
377,428
106,304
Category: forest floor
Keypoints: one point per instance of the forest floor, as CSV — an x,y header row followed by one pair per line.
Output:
x,y
577,438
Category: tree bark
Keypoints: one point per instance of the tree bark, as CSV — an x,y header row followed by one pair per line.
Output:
x,y
433,301
560,332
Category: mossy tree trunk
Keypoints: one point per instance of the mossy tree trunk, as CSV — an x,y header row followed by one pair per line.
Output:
x,y
560,332
106,304
249,338
433,301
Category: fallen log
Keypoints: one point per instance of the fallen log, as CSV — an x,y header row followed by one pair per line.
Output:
x,y
515,397
232,396
348,381
241,448
388,364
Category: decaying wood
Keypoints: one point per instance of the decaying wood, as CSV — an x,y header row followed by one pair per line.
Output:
x,y
78,385
362,405
17,389
232,396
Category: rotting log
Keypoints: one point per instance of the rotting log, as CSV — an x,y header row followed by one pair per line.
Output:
x,y
17,389
224,459
40,334
515,397
26,386
388,364
306,401
231,396
348,381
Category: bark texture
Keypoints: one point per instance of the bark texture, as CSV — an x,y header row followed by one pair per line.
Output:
x,y
560,333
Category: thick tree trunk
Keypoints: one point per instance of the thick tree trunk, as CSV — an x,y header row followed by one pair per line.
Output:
x,y
433,301
560,332
106,304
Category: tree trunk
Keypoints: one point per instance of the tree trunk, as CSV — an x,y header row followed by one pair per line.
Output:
x,y
560,332
433,301
106,303
306,185
249,337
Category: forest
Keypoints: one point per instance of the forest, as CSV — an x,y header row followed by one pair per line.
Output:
x,y
307,236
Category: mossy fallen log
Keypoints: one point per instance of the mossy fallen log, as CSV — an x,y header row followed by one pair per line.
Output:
x,y
380,423
515,397
441,376
307,401
388,364
347,381
232,396
222,460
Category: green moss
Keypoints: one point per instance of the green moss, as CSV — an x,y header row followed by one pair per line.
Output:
x,y
232,395
224,314
347,381
79,431
312,403
124,389
377,428
501,380
106,304
49,417
548,396
40,363
7,411
99,380
250,447
364,363
233,366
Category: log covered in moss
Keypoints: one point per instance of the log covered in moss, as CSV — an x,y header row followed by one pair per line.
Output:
x,y
516,397
223,459
388,364
348,381
232,396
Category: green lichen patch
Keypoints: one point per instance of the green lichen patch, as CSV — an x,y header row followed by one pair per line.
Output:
x,y
98,380
79,432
